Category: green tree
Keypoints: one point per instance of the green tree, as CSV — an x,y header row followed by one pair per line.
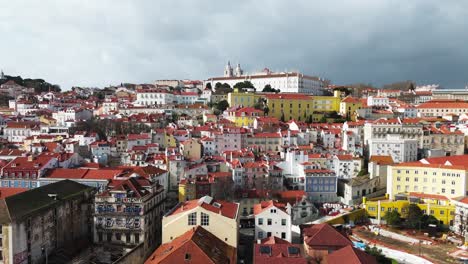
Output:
x,y
309,119
243,85
414,216
208,85
427,220
222,105
266,110
392,218
268,89
377,253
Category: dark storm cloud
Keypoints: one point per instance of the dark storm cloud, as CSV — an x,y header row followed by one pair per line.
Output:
x,y
96,43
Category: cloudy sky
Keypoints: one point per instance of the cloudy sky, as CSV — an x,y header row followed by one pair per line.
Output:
x,y
97,43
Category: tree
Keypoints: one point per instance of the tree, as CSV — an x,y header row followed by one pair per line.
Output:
x,y
414,216
427,220
243,85
392,218
266,110
268,89
309,119
283,119
377,253
208,85
222,105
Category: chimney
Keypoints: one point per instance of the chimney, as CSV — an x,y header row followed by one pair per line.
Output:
x,y
31,157
259,241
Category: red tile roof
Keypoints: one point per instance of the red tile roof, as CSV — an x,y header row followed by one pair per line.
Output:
x,y
324,235
194,246
350,255
381,159
262,206
24,163
279,252
227,209
289,96
428,196
444,104
7,191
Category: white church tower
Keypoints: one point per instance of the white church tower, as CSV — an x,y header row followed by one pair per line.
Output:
x,y
2,75
228,70
239,72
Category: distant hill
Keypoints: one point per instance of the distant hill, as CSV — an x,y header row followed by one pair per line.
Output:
x,y
39,85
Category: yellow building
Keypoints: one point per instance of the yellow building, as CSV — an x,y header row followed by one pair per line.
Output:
x,y
187,190
301,107
326,103
290,106
437,176
243,117
221,218
191,149
243,99
349,105
438,206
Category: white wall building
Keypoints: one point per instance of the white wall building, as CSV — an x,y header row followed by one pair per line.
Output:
x,y
288,82
377,101
401,150
154,97
346,166
272,219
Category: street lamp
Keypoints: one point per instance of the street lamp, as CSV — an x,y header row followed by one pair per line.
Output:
x,y
44,251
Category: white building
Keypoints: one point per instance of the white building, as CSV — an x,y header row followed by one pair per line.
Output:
x,y
293,166
401,150
272,219
377,101
16,132
346,166
71,115
154,97
288,82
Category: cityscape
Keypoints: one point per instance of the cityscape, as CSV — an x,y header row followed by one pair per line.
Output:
x,y
249,132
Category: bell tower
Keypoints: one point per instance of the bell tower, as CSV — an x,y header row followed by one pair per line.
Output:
x,y
228,70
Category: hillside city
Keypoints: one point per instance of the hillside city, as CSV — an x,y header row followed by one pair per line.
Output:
x,y
262,167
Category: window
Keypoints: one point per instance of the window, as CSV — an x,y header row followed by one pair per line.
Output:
x,y
268,221
452,191
443,190
398,178
407,179
100,236
205,219
283,235
283,222
192,219
137,238
382,209
118,236
109,237
260,235
260,221
268,234
273,211
188,256
416,179
443,181
127,238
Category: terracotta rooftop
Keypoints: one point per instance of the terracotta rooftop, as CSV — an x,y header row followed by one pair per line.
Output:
x,y
195,246
350,255
324,235
227,209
